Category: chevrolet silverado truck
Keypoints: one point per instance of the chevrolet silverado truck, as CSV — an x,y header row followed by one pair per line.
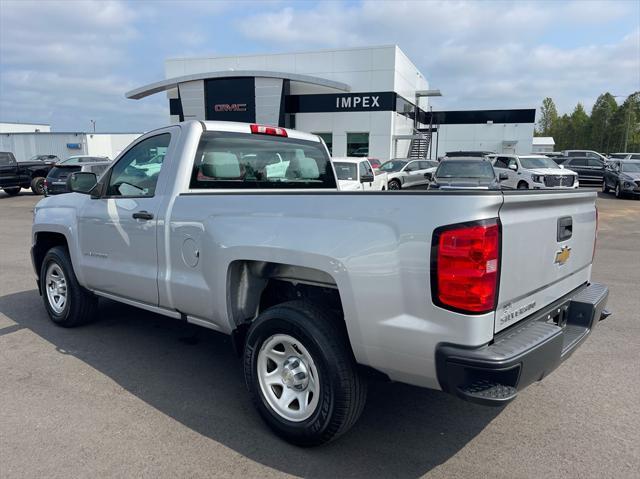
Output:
x,y
15,175
320,288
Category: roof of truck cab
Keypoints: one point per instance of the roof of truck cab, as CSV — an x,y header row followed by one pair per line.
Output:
x,y
237,127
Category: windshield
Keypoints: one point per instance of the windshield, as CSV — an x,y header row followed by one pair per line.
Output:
x,y
393,165
531,162
346,171
630,167
465,169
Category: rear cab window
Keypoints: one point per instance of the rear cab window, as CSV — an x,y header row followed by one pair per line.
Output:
x,y
226,160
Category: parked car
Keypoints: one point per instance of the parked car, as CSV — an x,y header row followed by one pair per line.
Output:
x,y
405,173
15,175
590,170
465,174
356,174
78,159
375,163
623,177
534,172
624,156
585,154
314,284
56,181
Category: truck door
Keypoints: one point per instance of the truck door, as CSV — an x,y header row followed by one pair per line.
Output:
x,y
8,170
117,232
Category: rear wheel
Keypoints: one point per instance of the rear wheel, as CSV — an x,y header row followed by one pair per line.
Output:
x,y
394,185
67,303
523,185
301,374
37,185
12,191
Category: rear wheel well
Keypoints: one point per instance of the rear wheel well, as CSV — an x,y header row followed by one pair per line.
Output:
x,y
44,242
255,286
39,174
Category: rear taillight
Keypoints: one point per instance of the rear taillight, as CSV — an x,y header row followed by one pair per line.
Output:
x,y
465,266
268,130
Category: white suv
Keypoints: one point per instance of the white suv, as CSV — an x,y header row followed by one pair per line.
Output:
x,y
533,172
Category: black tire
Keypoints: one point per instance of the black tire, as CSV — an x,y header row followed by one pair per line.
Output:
x,y
37,185
12,191
523,185
394,185
342,389
81,305
619,193
605,188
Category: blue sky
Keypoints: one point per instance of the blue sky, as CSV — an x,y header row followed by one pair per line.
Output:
x,y
68,62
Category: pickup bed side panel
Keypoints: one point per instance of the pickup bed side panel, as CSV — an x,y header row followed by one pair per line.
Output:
x,y
376,247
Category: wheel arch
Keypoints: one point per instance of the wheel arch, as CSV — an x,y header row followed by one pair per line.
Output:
x,y
43,242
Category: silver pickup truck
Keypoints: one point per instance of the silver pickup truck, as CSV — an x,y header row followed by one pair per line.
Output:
x,y
476,293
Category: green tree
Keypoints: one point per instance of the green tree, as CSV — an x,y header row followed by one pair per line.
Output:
x,y
580,127
626,124
548,116
602,115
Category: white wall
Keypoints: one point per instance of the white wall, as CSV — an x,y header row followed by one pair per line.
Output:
x,y
108,144
23,127
26,145
484,136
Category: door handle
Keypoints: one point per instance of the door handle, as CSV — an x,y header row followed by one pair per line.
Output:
x,y
143,215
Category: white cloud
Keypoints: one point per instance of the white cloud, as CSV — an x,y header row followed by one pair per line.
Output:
x,y
480,54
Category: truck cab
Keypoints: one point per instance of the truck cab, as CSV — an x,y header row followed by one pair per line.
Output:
x,y
357,174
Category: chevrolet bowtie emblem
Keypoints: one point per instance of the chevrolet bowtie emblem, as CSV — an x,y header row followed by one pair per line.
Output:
x,y
563,255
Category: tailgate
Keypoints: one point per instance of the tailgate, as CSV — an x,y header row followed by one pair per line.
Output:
x,y
547,249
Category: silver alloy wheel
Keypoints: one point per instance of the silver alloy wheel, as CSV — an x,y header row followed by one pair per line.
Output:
x,y
288,377
56,287
394,185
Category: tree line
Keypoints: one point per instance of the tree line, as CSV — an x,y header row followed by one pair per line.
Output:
x,y
610,128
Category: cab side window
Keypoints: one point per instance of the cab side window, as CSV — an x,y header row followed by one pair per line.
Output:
x,y
137,171
502,162
578,162
595,163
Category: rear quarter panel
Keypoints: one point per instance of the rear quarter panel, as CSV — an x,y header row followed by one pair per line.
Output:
x,y
376,247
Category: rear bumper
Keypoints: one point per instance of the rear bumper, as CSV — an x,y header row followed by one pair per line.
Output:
x,y
523,354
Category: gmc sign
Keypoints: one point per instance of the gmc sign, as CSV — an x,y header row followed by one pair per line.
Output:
x,y
220,107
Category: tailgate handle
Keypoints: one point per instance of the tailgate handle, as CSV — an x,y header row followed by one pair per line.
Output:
x,y
565,228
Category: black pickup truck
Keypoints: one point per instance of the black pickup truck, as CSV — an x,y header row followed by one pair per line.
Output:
x,y
15,175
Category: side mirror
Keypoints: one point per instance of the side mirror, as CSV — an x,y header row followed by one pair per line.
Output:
x,y
81,182
366,179
503,177
428,176
513,167
561,166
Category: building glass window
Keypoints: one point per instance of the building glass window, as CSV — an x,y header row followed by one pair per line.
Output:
x,y
328,139
357,144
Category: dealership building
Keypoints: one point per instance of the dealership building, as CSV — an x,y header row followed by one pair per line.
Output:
x,y
362,101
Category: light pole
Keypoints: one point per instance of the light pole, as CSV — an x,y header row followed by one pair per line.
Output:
x,y
93,125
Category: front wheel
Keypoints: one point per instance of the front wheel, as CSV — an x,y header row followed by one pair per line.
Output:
x,y
12,191
605,188
394,185
37,185
618,191
67,303
301,373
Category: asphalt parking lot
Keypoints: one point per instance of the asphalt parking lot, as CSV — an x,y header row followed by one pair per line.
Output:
x,y
135,394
